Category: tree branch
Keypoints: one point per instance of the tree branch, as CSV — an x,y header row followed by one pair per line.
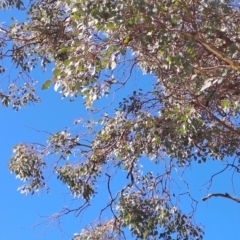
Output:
x,y
215,51
226,195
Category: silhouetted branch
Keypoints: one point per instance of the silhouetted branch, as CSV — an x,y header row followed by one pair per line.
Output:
x,y
226,195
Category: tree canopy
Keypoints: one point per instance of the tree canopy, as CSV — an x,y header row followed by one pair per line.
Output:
x,y
188,111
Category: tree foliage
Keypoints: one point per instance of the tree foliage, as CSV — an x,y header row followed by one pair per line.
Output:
x,y
189,111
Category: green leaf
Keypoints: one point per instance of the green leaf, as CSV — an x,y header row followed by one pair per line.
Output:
x,y
127,39
67,62
46,85
105,39
56,72
111,25
122,51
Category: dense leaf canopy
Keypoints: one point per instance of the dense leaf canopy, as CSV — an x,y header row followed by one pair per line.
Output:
x,y
189,110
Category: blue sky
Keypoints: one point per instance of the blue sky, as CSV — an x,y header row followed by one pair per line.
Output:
x,y
19,213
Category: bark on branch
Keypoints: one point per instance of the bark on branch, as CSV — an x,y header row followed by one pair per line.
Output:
x,y
215,51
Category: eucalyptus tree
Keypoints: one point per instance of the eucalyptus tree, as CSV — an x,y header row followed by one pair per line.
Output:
x,y
189,112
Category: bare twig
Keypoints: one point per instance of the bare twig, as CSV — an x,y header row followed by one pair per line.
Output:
x,y
226,195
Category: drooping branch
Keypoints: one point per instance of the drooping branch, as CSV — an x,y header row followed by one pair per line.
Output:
x,y
226,195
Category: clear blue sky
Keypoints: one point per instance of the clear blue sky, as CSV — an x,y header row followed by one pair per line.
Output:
x,y
221,217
